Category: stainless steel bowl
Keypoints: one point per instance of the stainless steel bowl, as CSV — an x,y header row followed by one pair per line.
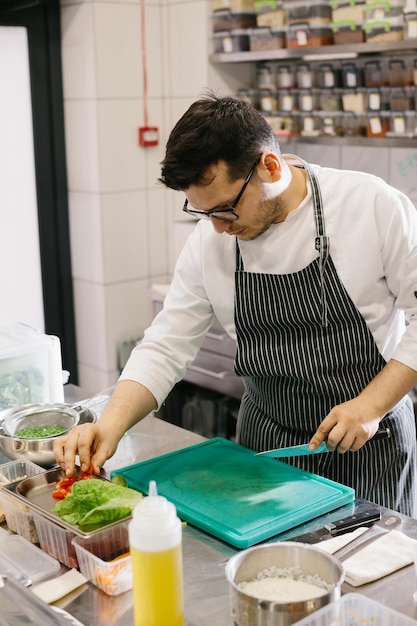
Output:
x,y
40,450
247,610
34,415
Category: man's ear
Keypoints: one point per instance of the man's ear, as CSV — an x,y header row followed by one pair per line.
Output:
x,y
271,170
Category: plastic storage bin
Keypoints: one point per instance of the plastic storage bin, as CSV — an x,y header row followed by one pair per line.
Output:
x,y
354,608
390,29
230,20
348,10
399,73
270,13
403,124
18,516
56,541
347,32
24,561
104,559
30,366
383,9
315,12
306,36
267,38
226,41
233,5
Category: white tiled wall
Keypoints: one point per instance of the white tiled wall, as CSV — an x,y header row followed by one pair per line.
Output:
x,y
124,231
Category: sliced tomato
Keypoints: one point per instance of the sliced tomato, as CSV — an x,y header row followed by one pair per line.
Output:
x,y
64,486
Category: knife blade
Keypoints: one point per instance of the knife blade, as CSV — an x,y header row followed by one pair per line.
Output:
x,y
368,517
303,449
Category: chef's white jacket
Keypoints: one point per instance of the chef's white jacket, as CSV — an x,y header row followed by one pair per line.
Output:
x,y
372,229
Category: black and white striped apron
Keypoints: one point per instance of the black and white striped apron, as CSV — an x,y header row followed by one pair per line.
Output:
x,y
302,348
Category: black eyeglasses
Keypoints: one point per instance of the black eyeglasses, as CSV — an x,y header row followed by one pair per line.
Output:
x,y
228,213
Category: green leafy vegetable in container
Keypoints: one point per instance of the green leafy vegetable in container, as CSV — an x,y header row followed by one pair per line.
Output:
x,y
96,503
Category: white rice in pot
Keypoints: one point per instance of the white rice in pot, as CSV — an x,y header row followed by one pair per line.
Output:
x,y
285,585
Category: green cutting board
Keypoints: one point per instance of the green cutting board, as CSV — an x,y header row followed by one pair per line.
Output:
x,y
224,489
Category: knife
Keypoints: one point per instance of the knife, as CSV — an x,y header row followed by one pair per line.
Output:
x,y
368,517
303,449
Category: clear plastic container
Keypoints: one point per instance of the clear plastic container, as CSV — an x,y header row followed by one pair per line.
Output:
x,y
351,76
233,5
315,12
354,100
231,20
287,100
270,13
401,98
305,76
378,124
56,541
285,77
403,124
328,76
353,124
265,78
348,10
330,100
306,36
25,561
311,125
374,74
376,10
105,559
347,32
268,100
267,38
308,100
18,516
410,27
231,41
355,608
399,73
377,99
390,29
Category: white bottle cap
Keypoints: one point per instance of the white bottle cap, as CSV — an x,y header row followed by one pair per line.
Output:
x,y
155,525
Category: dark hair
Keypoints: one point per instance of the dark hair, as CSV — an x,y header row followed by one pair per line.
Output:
x,y
215,129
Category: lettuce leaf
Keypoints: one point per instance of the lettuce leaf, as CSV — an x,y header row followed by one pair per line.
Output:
x,y
95,503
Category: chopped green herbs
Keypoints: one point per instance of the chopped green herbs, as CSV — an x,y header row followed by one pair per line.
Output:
x,y
39,432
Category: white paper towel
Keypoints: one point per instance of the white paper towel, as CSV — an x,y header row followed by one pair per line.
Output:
x,y
56,386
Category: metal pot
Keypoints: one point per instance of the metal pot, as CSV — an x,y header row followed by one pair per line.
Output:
x,y
40,450
245,565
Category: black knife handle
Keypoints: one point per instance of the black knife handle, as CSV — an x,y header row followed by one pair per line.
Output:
x,y
383,433
368,517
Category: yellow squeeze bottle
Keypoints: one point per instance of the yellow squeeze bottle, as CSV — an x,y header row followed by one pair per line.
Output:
x,y
155,538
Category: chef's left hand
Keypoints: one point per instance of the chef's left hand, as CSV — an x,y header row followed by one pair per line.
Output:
x,y
347,427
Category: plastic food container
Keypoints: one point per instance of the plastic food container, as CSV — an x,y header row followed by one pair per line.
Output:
x,y
285,76
311,13
306,36
267,38
270,13
351,76
383,9
305,76
377,99
18,517
401,99
399,74
347,31
403,124
378,124
233,5
56,541
354,608
374,74
353,124
30,366
24,561
410,28
348,10
355,101
230,20
308,99
391,29
105,560
268,100
330,100
311,125
328,76
231,41
287,100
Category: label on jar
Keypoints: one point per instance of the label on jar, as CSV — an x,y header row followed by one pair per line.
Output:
x,y
301,37
307,102
351,78
375,124
227,44
328,78
308,124
399,124
375,101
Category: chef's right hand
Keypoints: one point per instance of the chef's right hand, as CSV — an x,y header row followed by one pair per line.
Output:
x,y
91,442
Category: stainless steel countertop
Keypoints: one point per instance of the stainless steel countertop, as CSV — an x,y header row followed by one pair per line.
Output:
x,y
205,587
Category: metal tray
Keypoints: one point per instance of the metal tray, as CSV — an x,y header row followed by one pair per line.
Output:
x,y
36,494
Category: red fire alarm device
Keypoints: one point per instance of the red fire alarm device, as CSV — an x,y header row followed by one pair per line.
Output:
x,y
148,136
